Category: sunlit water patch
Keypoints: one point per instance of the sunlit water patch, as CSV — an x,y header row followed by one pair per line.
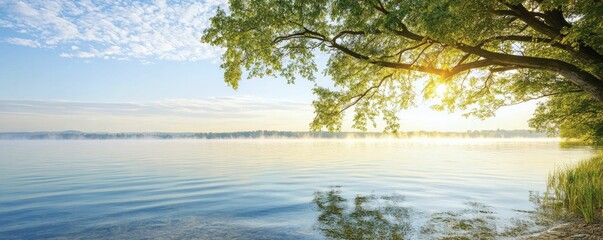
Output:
x,y
265,189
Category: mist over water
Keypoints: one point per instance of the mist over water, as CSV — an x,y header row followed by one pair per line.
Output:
x,y
262,189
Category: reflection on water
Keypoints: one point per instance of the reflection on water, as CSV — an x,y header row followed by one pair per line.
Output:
x,y
370,217
386,217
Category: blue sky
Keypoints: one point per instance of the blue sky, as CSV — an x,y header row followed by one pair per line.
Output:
x,y
139,66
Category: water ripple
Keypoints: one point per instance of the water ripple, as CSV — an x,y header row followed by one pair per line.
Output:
x,y
248,189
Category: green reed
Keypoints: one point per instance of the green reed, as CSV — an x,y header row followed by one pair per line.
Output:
x,y
578,189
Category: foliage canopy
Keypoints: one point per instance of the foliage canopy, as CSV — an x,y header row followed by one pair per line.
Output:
x,y
383,55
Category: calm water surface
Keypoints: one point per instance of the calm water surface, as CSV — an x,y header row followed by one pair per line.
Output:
x,y
259,189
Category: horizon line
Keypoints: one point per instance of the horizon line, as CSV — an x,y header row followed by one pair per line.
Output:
x,y
264,130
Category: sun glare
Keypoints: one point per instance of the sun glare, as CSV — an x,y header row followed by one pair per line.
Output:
x,y
441,90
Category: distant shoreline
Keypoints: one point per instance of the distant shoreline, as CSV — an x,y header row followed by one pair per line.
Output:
x,y
77,135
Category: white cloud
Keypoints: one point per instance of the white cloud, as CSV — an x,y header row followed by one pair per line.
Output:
x,y
113,29
23,42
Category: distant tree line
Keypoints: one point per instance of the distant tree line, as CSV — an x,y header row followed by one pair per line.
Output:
x,y
74,135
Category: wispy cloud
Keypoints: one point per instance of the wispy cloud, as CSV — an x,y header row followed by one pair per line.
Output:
x,y
166,30
208,114
217,107
218,114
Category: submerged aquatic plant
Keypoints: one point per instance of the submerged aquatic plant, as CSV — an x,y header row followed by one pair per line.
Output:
x,y
386,217
477,221
370,218
578,189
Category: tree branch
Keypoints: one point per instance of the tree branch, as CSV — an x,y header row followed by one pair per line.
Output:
x,y
528,17
519,38
342,33
543,96
587,81
362,95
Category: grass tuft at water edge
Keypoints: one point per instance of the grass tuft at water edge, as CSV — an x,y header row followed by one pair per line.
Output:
x,y
578,189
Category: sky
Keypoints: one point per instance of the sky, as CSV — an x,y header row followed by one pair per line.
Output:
x,y
117,65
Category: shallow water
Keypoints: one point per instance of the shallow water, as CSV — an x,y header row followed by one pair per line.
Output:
x,y
259,189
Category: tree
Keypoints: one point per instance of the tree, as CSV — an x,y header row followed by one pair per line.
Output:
x,y
573,115
472,55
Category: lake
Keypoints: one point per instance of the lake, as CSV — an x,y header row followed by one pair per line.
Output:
x,y
260,189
